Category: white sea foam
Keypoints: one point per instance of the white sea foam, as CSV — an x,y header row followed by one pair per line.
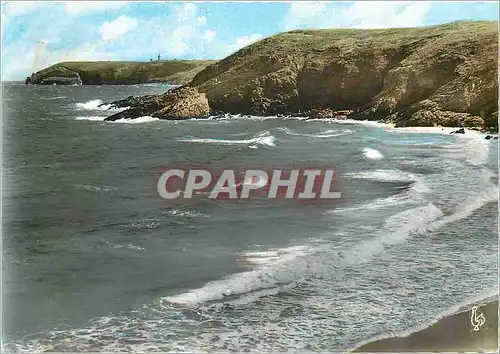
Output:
x,y
474,148
91,118
359,122
184,213
265,138
54,98
324,134
144,119
372,154
96,105
273,269
92,188
425,130
384,176
379,203
473,202
91,105
396,231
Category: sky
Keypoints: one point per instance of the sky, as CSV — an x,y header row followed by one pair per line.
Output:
x,y
36,34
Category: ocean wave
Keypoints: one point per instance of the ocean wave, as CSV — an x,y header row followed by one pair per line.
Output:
x,y
372,154
92,188
379,203
91,105
91,118
473,202
144,119
396,231
325,134
54,98
96,105
473,148
184,213
423,130
275,268
264,138
129,246
346,121
384,176
416,193
141,224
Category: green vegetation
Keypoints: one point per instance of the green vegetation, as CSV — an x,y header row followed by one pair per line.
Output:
x,y
117,72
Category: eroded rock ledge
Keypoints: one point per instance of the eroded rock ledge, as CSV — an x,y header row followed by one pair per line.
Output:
x,y
179,103
441,75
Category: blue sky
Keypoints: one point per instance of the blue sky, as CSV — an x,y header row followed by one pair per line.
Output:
x,y
37,34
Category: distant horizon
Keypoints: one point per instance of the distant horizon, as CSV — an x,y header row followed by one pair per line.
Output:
x,y
138,31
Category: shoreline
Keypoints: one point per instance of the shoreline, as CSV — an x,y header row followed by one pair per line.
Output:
x,y
452,333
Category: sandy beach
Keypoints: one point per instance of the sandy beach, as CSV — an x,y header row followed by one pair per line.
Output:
x,y
453,333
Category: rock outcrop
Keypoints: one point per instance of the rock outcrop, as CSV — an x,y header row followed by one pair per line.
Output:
x,y
56,75
441,75
179,103
175,72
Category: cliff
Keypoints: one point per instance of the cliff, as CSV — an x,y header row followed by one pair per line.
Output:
x,y
119,73
440,75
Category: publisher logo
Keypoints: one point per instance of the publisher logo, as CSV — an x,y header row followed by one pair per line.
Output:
x,y
306,183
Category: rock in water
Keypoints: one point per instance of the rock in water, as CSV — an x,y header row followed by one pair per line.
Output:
x,y
459,131
488,137
182,103
179,103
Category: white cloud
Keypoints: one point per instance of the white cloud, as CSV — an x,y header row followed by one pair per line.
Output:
x,y
243,42
186,12
209,35
183,33
360,14
246,40
17,8
117,28
80,7
301,12
202,20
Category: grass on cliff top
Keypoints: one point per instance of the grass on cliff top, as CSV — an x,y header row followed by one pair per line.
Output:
x,y
291,49
390,36
172,71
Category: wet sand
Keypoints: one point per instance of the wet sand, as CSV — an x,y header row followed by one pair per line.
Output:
x,y
451,334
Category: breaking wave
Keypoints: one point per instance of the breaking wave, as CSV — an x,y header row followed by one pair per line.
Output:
x,y
274,268
97,105
325,134
372,154
265,138
91,118
144,119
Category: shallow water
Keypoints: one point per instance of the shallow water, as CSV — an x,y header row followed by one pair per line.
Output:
x,y
95,260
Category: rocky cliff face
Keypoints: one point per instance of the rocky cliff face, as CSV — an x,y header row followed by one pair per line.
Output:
x,y
440,75
179,103
55,75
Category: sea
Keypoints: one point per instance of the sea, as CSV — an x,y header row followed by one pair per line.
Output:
x,y
95,260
